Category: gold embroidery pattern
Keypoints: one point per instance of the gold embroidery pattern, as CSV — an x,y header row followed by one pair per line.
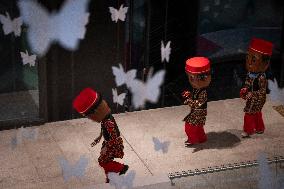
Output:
x,y
197,115
258,99
109,152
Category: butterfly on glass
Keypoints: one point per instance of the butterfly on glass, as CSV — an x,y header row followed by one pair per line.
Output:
x,y
119,14
10,25
158,145
78,170
28,59
276,93
122,77
65,27
119,99
165,51
148,91
122,181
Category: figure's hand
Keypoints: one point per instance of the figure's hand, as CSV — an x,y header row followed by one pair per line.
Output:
x,y
186,94
95,142
243,93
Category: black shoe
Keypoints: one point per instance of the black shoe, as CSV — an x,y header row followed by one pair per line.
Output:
x,y
107,180
123,171
186,142
245,135
259,132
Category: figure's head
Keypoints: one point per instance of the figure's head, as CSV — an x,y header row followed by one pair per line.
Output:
x,y
90,104
198,72
258,55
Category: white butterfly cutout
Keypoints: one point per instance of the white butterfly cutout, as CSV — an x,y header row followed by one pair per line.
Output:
x,y
78,170
122,77
121,181
118,98
276,94
66,27
149,91
28,59
24,133
158,145
118,14
10,25
165,51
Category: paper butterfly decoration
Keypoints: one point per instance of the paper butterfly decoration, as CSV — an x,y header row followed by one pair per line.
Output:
x,y
122,77
66,27
10,26
165,51
158,145
118,98
121,181
266,178
118,14
276,94
149,91
28,59
78,170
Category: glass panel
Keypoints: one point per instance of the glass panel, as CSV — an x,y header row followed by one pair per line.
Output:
x,y
19,82
227,26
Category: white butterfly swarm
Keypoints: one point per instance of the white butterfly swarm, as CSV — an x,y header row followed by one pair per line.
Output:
x,y
276,94
28,59
122,77
118,14
66,27
78,170
119,99
10,25
158,145
165,51
148,91
121,181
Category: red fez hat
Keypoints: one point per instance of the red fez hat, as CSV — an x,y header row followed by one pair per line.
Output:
x,y
261,46
197,65
85,100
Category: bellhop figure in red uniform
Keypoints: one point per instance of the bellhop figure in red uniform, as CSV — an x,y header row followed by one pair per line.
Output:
x,y
198,72
254,89
89,103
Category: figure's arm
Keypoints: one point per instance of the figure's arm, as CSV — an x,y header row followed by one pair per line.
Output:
x,y
98,139
202,99
244,89
262,83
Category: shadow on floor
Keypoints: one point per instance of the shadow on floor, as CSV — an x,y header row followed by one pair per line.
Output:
x,y
219,140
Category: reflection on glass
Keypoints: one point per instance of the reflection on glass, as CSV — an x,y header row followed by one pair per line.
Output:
x,y
226,26
19,82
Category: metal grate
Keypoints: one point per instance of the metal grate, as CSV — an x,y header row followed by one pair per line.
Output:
x,y
175,175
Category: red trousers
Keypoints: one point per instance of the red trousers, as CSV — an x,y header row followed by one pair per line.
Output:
x,y
195,133
253,123
111,166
